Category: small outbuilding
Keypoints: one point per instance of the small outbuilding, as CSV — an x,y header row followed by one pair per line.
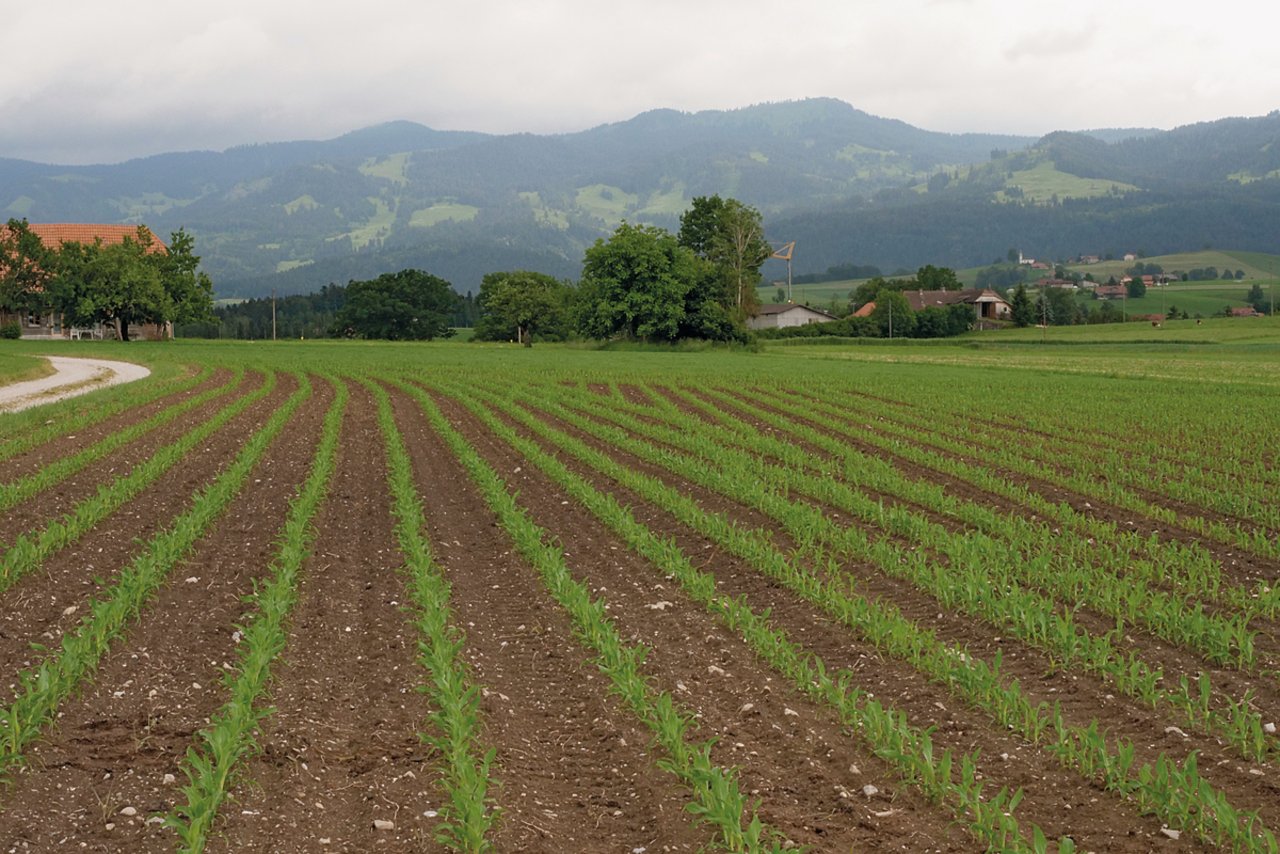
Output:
x,y
987,304
782,315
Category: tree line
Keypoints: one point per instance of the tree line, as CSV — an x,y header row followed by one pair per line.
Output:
x,y
641,283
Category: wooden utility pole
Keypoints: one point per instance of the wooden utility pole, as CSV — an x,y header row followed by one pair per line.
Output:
x,y
273,314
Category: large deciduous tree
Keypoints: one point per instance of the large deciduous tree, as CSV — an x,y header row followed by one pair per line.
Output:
x,y
118,282
635,285
522,304
893,316
730,235
25,268
133,281
189,290
410,305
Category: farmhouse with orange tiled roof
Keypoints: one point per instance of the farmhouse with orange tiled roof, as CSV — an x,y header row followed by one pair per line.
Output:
x,y
53,235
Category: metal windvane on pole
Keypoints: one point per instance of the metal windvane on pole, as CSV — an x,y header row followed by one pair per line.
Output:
x,y
784,253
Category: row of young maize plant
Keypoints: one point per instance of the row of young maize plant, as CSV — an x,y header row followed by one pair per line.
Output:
x,y
1169,434
43,688
1247,498
59,470
1186,568
1221,639
210,762
956,668
1256,540
469,811
1189,568
31,549
979,565
886,731
31,428
1089,575
717,797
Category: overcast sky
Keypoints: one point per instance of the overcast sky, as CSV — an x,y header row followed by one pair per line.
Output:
x,y
88,81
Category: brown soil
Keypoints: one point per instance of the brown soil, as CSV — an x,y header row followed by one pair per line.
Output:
x,y
159,685
50,600
62,498
342,748
34,459
574,767
1080,696
808,771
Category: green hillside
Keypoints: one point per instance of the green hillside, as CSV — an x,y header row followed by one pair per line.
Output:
x,y
1256,265
1044,182
849,187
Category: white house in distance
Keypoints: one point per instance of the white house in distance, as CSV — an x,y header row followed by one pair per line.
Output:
x,y
782,315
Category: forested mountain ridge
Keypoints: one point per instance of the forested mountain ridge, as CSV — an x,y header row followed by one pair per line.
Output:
x,y
1214,184
844,184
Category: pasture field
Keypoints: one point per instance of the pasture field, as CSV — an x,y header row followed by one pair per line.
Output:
x,y
358,597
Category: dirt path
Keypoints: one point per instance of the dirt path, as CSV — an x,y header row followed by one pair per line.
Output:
x,y
72,376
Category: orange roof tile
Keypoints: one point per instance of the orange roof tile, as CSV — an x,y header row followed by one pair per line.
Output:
x,y
54,234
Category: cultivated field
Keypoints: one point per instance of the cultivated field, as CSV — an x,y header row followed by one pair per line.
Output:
x,y
352,597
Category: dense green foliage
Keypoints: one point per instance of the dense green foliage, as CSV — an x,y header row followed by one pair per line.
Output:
x,y
127,282
25,264
634,285
523,306
407,306
730,235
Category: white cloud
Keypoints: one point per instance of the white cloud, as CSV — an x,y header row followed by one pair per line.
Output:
x,y
148,77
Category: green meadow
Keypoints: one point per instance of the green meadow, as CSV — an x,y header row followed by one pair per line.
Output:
x,y
17,367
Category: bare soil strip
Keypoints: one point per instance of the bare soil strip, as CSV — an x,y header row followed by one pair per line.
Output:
x,y
794,755
46,603
115,743
30,461
62,497
1056,799
342,749
574,768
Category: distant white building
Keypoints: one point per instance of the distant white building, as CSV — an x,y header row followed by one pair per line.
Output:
x,y
782,315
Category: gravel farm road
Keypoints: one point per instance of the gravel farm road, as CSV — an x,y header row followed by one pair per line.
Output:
x,y
70,377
